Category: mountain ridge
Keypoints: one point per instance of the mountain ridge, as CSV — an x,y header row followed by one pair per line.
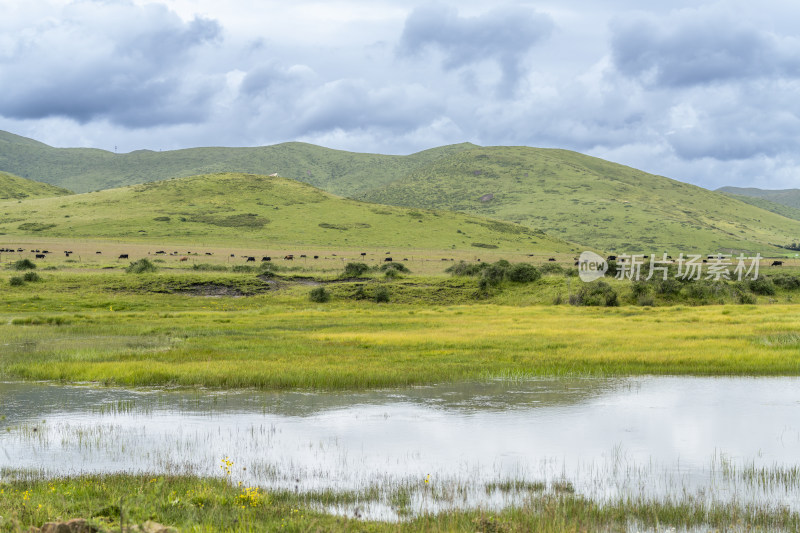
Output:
x,y
572,196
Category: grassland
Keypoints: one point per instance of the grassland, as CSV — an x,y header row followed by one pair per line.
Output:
x,y
589,201
262,212
16,188
219,326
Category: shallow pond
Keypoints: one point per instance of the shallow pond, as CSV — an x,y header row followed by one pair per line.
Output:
x,y
428,448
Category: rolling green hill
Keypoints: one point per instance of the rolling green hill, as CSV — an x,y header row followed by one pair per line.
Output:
x,y
258,210
589,201
86,169
768,205
790,197
16,188
581,199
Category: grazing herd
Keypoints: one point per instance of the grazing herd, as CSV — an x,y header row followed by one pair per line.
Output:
x,y
42,254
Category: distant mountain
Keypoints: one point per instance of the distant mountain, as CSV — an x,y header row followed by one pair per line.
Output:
x,y
260,211
88,169
767,205
16,188
790,197
581,199
588,200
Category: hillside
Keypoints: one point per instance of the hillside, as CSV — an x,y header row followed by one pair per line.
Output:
x,y
85,169
589,201
576,197
259,210
16,188
767,205
790,197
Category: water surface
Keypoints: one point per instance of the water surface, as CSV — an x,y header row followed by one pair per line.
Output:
x,y
652,437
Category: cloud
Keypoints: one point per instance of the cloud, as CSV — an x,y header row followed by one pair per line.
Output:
x,y
699,47
109,60
354,104
503,35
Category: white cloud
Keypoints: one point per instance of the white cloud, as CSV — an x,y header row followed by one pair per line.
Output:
x,y
703,92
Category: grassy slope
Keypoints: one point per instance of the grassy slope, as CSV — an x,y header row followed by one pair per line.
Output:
x,y
588,200
790,197
768,205
580,198
258,210
15,188
83,169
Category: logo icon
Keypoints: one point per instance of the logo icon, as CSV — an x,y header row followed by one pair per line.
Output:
x,y
591,266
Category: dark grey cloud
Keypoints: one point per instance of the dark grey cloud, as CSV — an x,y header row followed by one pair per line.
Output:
x,y
109,60
504,35
700,47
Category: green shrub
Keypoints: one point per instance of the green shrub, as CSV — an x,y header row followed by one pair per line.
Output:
x,y
359,293
787,281
269,266
355,270
140,267
23,264
551,268
31,276
700,290
462,268
523,273
639,288
208,267
645,300
763,286
494,274
391,273
382,295
399,267
16,281
597,293
746,298
319,295
243,268
667,287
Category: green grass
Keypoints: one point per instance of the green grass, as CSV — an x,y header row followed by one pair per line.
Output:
x,y
258,211
590,201
787,197
202,504
162,328
16,188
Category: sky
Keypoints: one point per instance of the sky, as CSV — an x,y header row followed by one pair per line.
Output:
x,y
705,92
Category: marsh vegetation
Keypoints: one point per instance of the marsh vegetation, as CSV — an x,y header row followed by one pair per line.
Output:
x,y
346,326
